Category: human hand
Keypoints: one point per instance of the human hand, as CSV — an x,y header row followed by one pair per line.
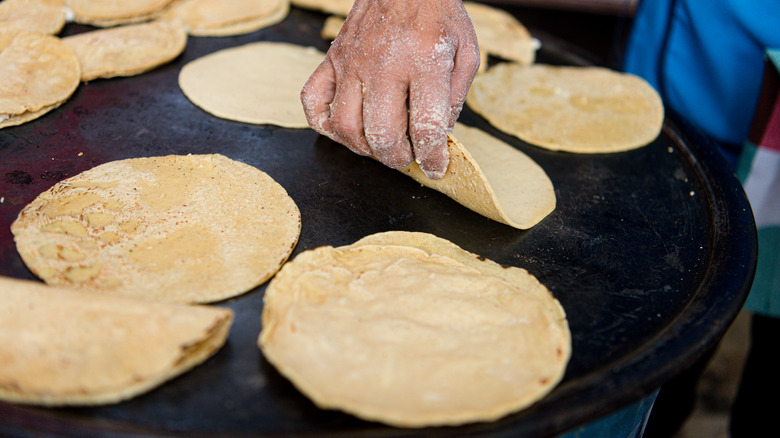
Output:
x,y
390,53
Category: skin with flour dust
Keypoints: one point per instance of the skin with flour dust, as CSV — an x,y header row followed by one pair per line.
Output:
x,y
394,81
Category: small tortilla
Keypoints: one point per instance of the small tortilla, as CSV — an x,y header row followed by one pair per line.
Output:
x,y
127,50
61,347
38,16
573,109
255,83
223,18
500,34
336,7
492,178
195,228
107,13
363,329
39,73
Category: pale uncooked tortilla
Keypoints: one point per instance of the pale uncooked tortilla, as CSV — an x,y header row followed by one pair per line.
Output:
x,y
223,18
492,178
574,109
127,50
256,83
410,330
39,72
62,347
194,228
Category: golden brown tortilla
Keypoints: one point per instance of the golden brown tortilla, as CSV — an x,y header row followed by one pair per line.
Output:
x,y
127,50
492,178
410,330
194,228
62,347
336,7
38,16
222,18
254,83
501,34
574,109
39,73
107,13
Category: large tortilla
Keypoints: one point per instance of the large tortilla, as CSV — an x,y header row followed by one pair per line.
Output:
x,y
255,83
574,109
195,228
411,330
492,178
39,73
127,50
39,16
500,34
106,13
62,347
336,7
223,18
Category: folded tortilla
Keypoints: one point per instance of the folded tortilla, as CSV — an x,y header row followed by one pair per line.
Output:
x,y
62,347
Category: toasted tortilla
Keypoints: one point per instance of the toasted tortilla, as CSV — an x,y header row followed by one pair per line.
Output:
x,y
501,34
38,16
127,50
62,347
364,329
573,109
194,228
254,83
492,178
39,73
222,18
336,7
107,13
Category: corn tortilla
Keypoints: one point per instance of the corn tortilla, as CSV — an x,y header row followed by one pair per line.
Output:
x,y
223,18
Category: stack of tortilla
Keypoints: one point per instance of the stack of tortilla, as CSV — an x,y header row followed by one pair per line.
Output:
x,y
364,329
39,73
39,16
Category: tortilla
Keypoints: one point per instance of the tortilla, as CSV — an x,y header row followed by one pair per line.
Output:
x,y
500,34
107,13
573,109
39,74
194,228
39,16
127,50
336,7
492,178
221,18
62,347
254,83
363,329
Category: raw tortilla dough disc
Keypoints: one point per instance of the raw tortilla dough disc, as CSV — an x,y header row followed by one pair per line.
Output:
x,y
364,329
574,109
127,50
492,178
62,347
223,18
39,73
194,228
255,83
39,16
107,13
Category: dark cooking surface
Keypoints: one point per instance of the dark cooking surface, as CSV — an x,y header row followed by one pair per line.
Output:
x,y
649,251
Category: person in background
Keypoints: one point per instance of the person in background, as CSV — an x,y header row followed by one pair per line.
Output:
x,y
706,59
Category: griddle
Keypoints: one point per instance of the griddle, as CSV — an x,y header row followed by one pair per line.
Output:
x,y
651,252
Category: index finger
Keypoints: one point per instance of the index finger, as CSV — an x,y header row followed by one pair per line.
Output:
x,y
317,95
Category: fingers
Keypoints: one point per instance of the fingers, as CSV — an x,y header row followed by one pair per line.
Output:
x,y
385,121
346,116
467,62
429,102
316,96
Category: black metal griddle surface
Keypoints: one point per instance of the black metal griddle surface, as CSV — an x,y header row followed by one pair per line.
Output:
x,y
651,252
